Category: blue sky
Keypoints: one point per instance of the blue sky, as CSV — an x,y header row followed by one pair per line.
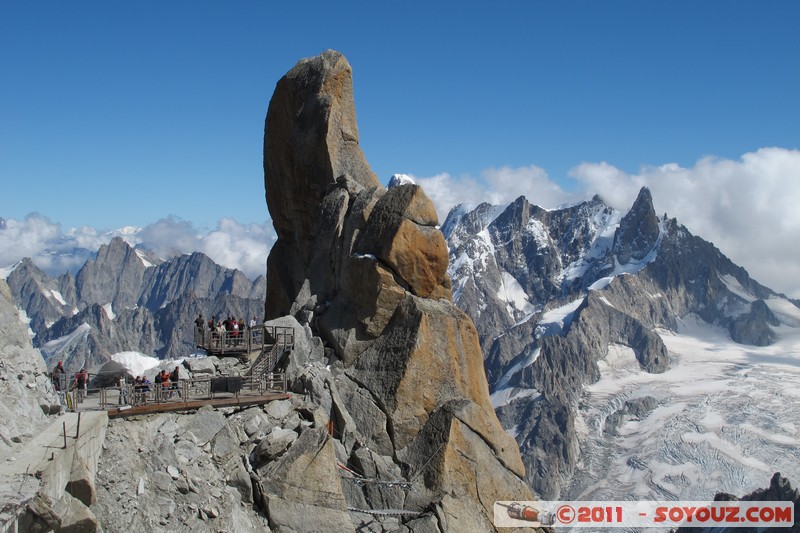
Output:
x,y
115,114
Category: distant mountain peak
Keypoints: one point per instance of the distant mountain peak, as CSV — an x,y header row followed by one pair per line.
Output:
x,y
638,230
400,179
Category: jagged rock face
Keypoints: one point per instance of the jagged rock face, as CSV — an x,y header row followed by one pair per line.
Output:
x,y
44,299
194,275
311,463
367,271
24,384
428,358
310,141
637,408
114,276
92,336
638,230
550,291
754,327
277,467
508,261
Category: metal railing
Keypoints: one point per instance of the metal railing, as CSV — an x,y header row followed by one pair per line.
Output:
x,y
237,342
270,355
182,391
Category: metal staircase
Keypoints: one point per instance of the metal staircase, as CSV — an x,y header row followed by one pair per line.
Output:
x,y
271,354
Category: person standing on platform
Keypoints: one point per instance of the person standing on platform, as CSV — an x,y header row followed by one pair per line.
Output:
x,y
174,379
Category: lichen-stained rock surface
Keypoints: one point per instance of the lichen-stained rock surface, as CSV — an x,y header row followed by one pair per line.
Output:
x,y
365,269
402,234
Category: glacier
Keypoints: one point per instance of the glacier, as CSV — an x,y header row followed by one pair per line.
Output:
x,y
727,417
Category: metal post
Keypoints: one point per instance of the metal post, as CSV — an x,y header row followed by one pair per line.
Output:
x,y
65,435
78,430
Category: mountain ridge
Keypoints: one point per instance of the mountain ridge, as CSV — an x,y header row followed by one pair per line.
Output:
x,y
551,290
129,300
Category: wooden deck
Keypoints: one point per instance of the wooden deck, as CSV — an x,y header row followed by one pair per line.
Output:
x,y
171,406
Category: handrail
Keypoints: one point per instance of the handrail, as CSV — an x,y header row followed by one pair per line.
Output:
x,y
267,360
264,362
236,342
191,389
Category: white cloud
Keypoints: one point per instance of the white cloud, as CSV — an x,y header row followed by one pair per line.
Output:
x,y
747,208
246,247
446,191
55,251
43,241
498,186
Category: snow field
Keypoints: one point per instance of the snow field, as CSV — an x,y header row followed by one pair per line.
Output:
x,y
727,418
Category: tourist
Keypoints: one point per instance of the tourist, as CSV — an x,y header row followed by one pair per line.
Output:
x,y
138,390
199,326
165,393
175,378
200,322
142,387
221,335
80,383
58,376
123,391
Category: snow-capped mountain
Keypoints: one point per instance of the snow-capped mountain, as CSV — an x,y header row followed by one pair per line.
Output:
x,y
399,179
626,355
126,299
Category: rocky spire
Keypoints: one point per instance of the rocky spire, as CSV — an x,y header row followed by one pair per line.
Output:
x,y
310,141
365,269
638,230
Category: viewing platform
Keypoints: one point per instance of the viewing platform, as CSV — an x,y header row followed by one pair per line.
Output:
x,y
239,343
264,346
186,394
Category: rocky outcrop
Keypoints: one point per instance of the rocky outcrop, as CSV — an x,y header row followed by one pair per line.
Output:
x,y
278,468
754,327
366,270
402,234
636,409
24,384
46,481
